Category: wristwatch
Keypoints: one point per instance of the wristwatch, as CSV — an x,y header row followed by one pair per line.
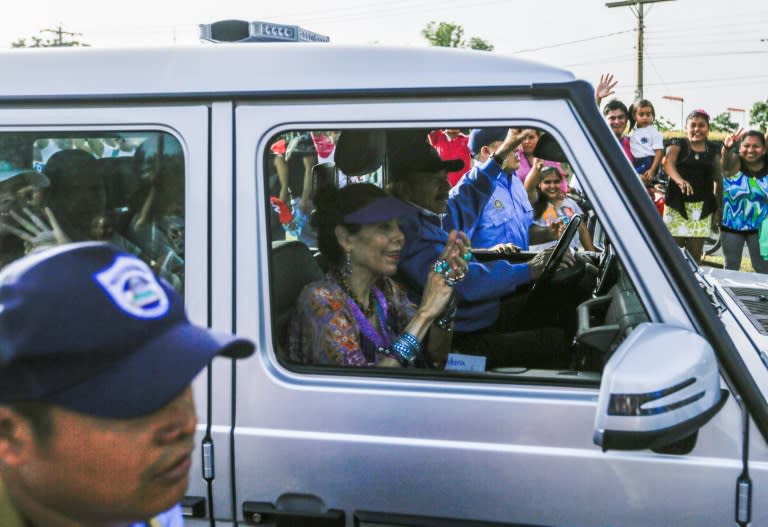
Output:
x,y
498,158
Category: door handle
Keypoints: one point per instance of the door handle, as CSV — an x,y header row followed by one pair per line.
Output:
x,y
265,513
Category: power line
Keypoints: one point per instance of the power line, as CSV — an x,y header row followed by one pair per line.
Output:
x,y
637,7
579,41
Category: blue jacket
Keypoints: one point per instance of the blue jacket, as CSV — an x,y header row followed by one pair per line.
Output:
x,y
479,294
491,207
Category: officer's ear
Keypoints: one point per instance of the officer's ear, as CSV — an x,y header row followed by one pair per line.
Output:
x,y
17,438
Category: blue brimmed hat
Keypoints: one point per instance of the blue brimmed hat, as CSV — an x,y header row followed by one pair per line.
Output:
x,y
90,328
382,209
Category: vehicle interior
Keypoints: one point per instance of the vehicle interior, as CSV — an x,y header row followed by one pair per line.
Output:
x,y
126,187
604,307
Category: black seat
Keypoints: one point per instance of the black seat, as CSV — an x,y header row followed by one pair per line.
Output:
x,y
294,267
323,174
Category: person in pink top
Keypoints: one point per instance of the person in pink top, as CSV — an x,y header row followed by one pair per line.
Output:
x,y
528,161
452,144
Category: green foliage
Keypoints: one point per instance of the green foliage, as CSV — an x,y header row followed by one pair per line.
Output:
x,y
758,115
444,34
723,123
663,124
480,44
57,42
450,35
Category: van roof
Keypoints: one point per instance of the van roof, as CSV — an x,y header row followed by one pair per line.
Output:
x,y
253,69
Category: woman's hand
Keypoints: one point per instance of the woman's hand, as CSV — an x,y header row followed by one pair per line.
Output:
x,y
733,139
35,232
388,362
438,289
556,229
685,187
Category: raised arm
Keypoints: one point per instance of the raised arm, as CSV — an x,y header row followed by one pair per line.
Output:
x,y
532,180
605,87
729,156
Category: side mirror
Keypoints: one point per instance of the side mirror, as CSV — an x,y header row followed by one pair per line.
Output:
x,y
660,386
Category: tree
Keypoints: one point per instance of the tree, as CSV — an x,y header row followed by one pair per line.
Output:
x,y
723,123
57,42
663,124
450,35
480,44
758,115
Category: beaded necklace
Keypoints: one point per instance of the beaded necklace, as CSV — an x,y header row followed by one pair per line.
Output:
x,y
380,338
342,280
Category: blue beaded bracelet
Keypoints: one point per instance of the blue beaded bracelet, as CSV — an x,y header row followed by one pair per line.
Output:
x,y
406,347
411,339
403,352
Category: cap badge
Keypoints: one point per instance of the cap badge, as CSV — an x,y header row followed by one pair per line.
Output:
x,y
132,286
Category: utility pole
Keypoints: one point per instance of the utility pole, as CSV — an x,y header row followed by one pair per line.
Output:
x,y
637,8
60,33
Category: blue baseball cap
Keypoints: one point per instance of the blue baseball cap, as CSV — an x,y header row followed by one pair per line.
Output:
x,y
90,328
480,137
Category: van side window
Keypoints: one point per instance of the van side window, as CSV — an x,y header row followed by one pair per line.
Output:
x,y
123,187
380,205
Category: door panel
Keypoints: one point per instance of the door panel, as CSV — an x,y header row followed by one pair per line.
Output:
x,y
493,450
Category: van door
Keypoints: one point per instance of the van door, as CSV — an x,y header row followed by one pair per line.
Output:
x,y
134,174
347,446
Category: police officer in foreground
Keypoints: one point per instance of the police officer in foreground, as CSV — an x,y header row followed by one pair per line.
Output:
x,y
97,419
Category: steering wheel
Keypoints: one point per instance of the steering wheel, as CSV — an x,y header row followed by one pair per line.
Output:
x,y
556,256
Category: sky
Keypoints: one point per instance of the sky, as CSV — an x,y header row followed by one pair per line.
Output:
x,y
712,53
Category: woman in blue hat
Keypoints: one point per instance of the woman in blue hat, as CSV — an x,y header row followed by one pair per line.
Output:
x,y
357,315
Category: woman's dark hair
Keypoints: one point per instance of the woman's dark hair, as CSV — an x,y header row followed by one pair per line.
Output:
x,y
331,205
642,103
542,202
698,113
38,413
754,133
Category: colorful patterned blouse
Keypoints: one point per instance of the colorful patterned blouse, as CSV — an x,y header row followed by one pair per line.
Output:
x,y
745,200
325,331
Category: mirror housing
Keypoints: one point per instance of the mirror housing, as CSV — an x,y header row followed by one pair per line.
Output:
x,y
661,385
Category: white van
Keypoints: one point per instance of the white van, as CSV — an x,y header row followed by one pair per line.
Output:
x,y
661,421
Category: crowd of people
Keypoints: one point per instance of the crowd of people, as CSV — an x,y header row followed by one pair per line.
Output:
x,y
708,186
403,287
68,200
402,262
85,438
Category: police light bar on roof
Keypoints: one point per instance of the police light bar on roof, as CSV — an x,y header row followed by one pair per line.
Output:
x,y
257,31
